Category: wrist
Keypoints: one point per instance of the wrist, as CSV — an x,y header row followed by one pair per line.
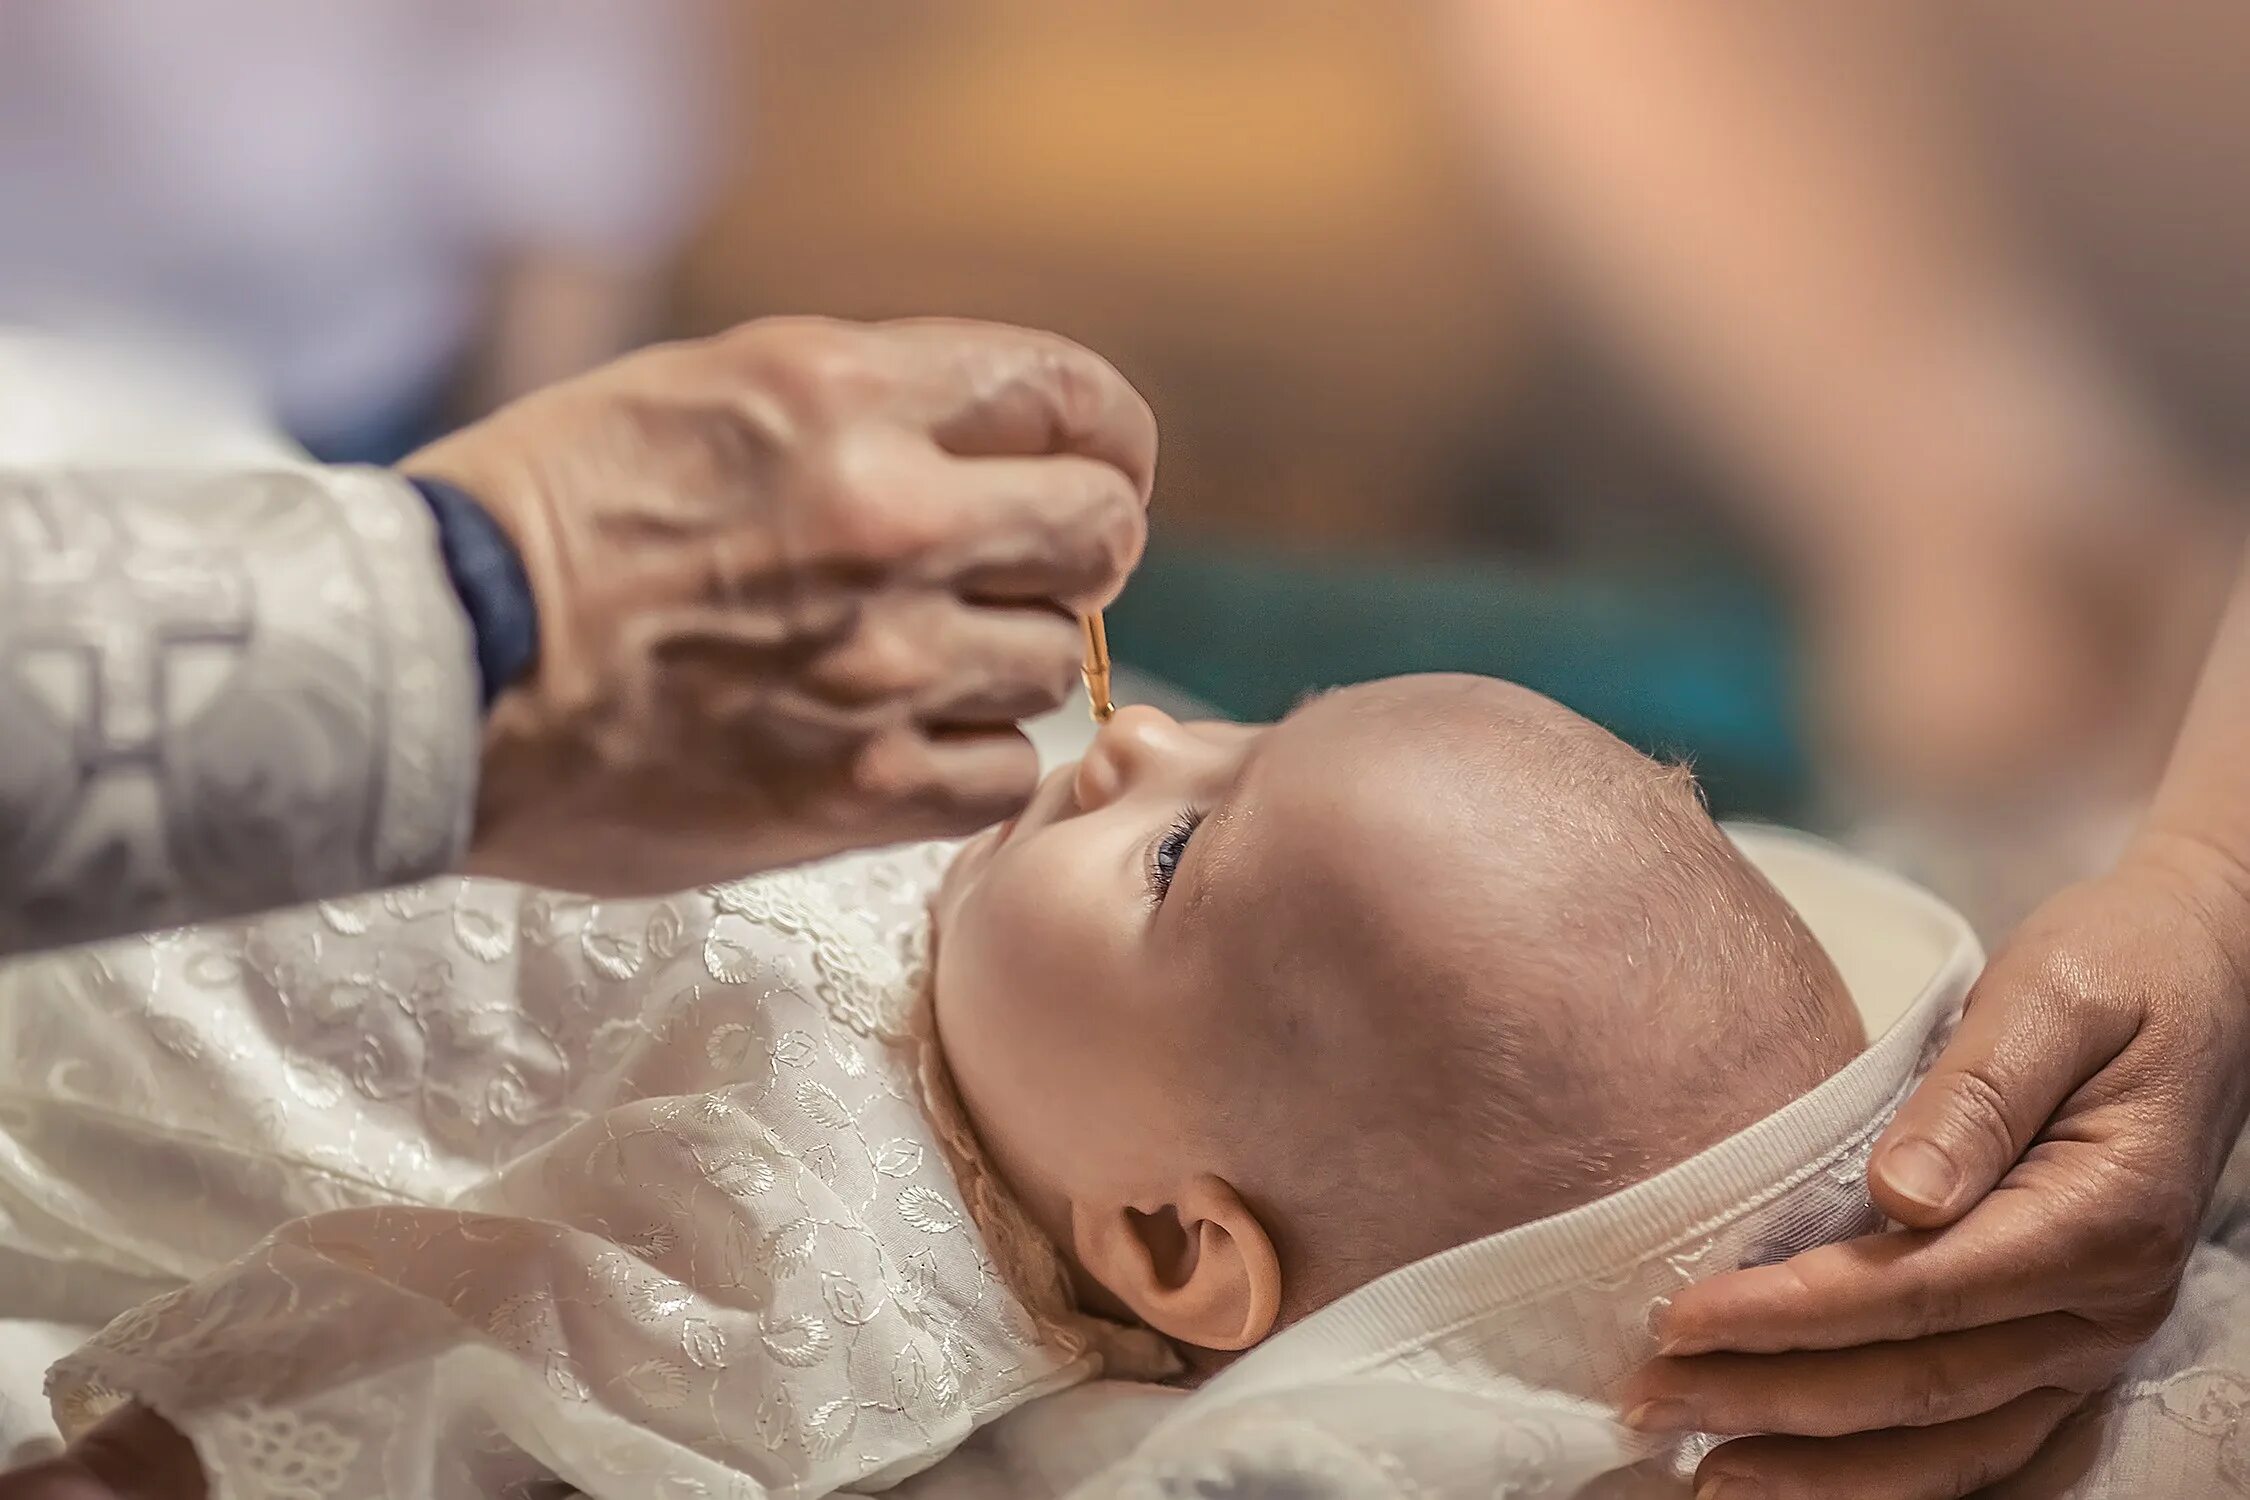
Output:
x,y
2210,882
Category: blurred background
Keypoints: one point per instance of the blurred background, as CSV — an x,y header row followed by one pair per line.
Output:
x,y
1846,397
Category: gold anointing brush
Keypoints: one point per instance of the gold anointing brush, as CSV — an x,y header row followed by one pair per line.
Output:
x,y
1095,668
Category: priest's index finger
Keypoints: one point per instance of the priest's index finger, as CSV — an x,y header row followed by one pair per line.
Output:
x,y
987,390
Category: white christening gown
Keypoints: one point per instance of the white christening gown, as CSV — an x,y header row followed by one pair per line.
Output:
x,y
662,1198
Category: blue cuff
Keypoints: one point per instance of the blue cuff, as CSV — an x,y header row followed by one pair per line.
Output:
x,y
495,591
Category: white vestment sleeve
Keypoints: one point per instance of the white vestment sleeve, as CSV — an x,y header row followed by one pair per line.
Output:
x,y
222,691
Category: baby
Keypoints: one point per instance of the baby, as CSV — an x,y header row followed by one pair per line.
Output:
x,y
1249,1016
744,1193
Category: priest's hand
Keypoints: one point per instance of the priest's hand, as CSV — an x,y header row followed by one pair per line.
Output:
x,y
796,586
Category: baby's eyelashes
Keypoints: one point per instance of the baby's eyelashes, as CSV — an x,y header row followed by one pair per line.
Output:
x,y
1171,847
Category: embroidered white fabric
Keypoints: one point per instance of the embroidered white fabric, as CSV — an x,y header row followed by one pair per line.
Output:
x,y
661,1198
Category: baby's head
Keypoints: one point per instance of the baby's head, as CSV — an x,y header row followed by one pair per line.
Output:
x,y
1249,1016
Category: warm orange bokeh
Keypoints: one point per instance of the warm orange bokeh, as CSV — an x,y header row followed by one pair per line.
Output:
x,y
1262,211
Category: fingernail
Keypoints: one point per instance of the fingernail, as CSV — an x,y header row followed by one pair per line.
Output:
x,y
1918,1170
1656,1311
1664,1414
1730,1487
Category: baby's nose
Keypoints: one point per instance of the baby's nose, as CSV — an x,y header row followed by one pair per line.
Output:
x,y
1135,743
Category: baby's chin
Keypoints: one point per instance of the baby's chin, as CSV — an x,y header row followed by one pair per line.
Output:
x,y
961,874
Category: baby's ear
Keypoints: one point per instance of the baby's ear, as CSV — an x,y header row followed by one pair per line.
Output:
x,y
1200,1269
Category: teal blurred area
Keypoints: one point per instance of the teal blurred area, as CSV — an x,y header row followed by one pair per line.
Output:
x,y
1693,663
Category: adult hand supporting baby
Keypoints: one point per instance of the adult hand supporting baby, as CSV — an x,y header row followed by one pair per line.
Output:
x,y
2112,1039
796,586
2052,1172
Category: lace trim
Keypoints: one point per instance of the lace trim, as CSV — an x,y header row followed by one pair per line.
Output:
x,y
896,1009
1023,1255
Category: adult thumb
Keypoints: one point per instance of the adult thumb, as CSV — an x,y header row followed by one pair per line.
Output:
x,y
2020,1051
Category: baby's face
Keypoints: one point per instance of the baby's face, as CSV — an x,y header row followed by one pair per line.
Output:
x,y
1430,957
1127,970
1074,944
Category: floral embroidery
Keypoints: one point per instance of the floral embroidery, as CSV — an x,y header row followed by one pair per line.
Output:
x,y
675,1162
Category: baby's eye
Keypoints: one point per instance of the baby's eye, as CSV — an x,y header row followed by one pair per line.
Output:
x,y
1164,862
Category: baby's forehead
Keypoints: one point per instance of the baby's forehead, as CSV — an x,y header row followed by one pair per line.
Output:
x,y
1344,801
1396,803
1408,714
1366,857
1421,751
1404,866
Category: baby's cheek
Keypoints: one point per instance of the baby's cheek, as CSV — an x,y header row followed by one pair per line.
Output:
x,y
988,954
1035,894
1045,934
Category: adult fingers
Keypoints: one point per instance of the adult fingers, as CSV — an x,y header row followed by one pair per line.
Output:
x,y
946,782
1926,1463
1004,666
2024,1045
1828,1393
985,390
1066,529
1993,1267
942,663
